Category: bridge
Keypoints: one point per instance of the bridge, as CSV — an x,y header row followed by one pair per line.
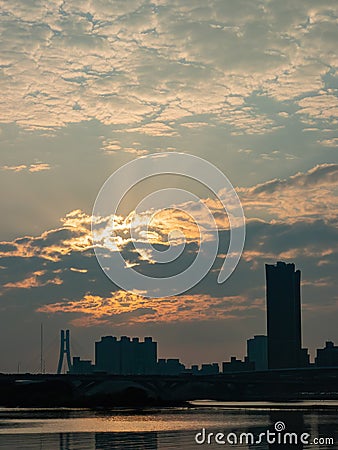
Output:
x,y
96,390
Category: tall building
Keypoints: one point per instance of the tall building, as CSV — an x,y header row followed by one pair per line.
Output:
x,y
284,317
257,351
126,356
107,355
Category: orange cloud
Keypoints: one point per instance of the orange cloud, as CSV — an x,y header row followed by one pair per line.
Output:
x,y
33,281
38,167
74,269
74,235
18,168
131,308
306,197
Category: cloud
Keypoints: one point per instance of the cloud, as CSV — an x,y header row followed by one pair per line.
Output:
x,y
155,129
309,196
37,167
322,107
305,196
33,281
75,269
88,85
51,245
146,66
276,155
18,168
333,142
57,272
195,124
111,146
122,308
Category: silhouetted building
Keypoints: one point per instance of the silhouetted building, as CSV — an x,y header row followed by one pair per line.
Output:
x,y
236,365
209,369
171,366
284,317
81,366
257,351
206,369
107,355
327,356
194,369
126,356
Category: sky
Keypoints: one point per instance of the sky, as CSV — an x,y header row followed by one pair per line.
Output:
x,y
87,86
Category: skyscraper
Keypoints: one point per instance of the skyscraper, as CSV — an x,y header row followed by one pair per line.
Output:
x,y
284,317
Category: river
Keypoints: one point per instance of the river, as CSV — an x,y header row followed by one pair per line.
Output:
x,y
225,425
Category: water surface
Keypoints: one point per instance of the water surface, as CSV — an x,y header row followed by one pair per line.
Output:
x,y
166,428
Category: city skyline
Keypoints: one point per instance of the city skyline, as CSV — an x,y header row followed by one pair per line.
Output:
x,y
280,348
88,86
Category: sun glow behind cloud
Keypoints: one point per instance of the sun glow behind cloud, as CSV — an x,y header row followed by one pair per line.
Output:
x,y
314,201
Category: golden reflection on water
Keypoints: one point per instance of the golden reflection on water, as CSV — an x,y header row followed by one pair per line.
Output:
x,y
157,428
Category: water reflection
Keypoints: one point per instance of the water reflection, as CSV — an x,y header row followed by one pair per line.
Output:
x,y
122,441
158,428
294,423
64,441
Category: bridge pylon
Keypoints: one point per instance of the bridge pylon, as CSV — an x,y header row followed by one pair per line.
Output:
x,y
64,350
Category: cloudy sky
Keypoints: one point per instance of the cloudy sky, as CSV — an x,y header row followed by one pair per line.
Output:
x,y
89,85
